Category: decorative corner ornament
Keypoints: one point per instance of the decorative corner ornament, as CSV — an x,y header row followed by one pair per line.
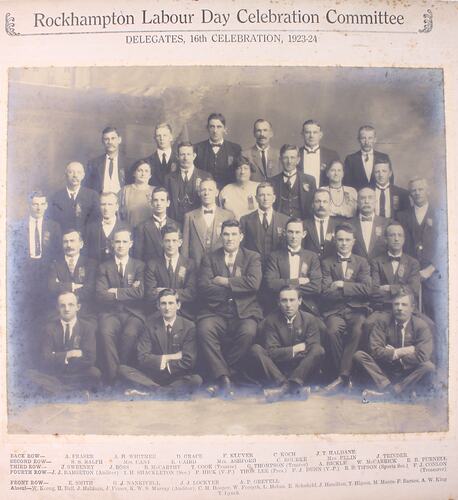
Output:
x,y
9,25
427,22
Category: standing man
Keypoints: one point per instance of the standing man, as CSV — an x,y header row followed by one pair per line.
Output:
x,y
262,155
119,292
295,267
148,237
163,160
166,351
107,172
294,190
227,284
100,233
183,184
320,228
172,270
68,351
292,349
264,229
74,273
202,226
346,289
74,206
400,350
389,199
359,166
217,155
369,228
314,158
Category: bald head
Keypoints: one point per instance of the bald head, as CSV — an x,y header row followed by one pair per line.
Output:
x,y
74,175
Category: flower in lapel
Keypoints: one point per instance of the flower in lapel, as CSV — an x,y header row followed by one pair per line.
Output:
x,y
250,202
306,186
378,231
130,279
78,210
329,236
198,181
238,272
173,167
323,167
348,272
230,160
81,273
396,202
401,270
429,221
280,231
304,269
181,272
46,236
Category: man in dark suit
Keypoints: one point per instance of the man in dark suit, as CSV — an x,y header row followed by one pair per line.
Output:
x,y
107,173
346,289
148,237
320,229
99,233
294,266
202,226
262,155
400,350
119,291
166,352
314,158
172,270
74,206
389,199
74,273
68,351
264,229
294,190
369,228
163,160
291,350
426,240
183,184
217,155
227,285
359,171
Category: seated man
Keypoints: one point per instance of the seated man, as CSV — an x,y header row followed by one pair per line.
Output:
x,y
296,267
148,238
74,273
166,351
400,350
172,270
68,351
202,226
119,291
228,283
346,288
292,349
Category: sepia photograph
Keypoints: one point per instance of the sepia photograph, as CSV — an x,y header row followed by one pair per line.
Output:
x,y
231,250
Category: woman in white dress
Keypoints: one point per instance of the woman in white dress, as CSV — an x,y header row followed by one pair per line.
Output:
x,y
135,199
343,198
240,196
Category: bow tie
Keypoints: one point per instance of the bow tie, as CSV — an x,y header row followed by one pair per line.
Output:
x,y
208,212
294,254
366,219
216,145
394,259
310,151
343,259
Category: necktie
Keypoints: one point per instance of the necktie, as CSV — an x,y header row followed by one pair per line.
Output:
x,y
111,168
322,232
66,333
265,222
399,337
230,265
289,181
366,157
120,271
71,265
290,329
185,180
169,330
170,270
164,161
264,161
395,259
159,223
366,219
37,240
72,196
382,203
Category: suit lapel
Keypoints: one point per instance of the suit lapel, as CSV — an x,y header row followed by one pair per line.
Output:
x,y
283,264
162,270
256,230
388,270
161,334
257,160
201,227
338,272
313,233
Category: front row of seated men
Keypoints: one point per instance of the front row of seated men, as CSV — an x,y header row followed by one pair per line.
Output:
x,y
230,341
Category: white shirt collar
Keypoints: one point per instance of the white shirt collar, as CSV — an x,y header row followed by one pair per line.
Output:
x,y
75,193
33,221
74,258
370,153
311,150
123,261
324,219
290,320
174,259
260,149
171,323
295,250
109,223
168,152
386,186
230,256
216,143
189,172
71,323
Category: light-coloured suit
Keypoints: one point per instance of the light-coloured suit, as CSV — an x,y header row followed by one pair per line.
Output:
x,y
273,163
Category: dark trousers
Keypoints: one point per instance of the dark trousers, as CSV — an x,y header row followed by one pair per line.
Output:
x,y
296,370
180,384
342,339
384,374
224,342
118,341
66,382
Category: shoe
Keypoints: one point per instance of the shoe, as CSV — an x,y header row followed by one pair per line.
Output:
x,y
276,394
369,395
304,393
212,390
135,392
226,389
334,387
